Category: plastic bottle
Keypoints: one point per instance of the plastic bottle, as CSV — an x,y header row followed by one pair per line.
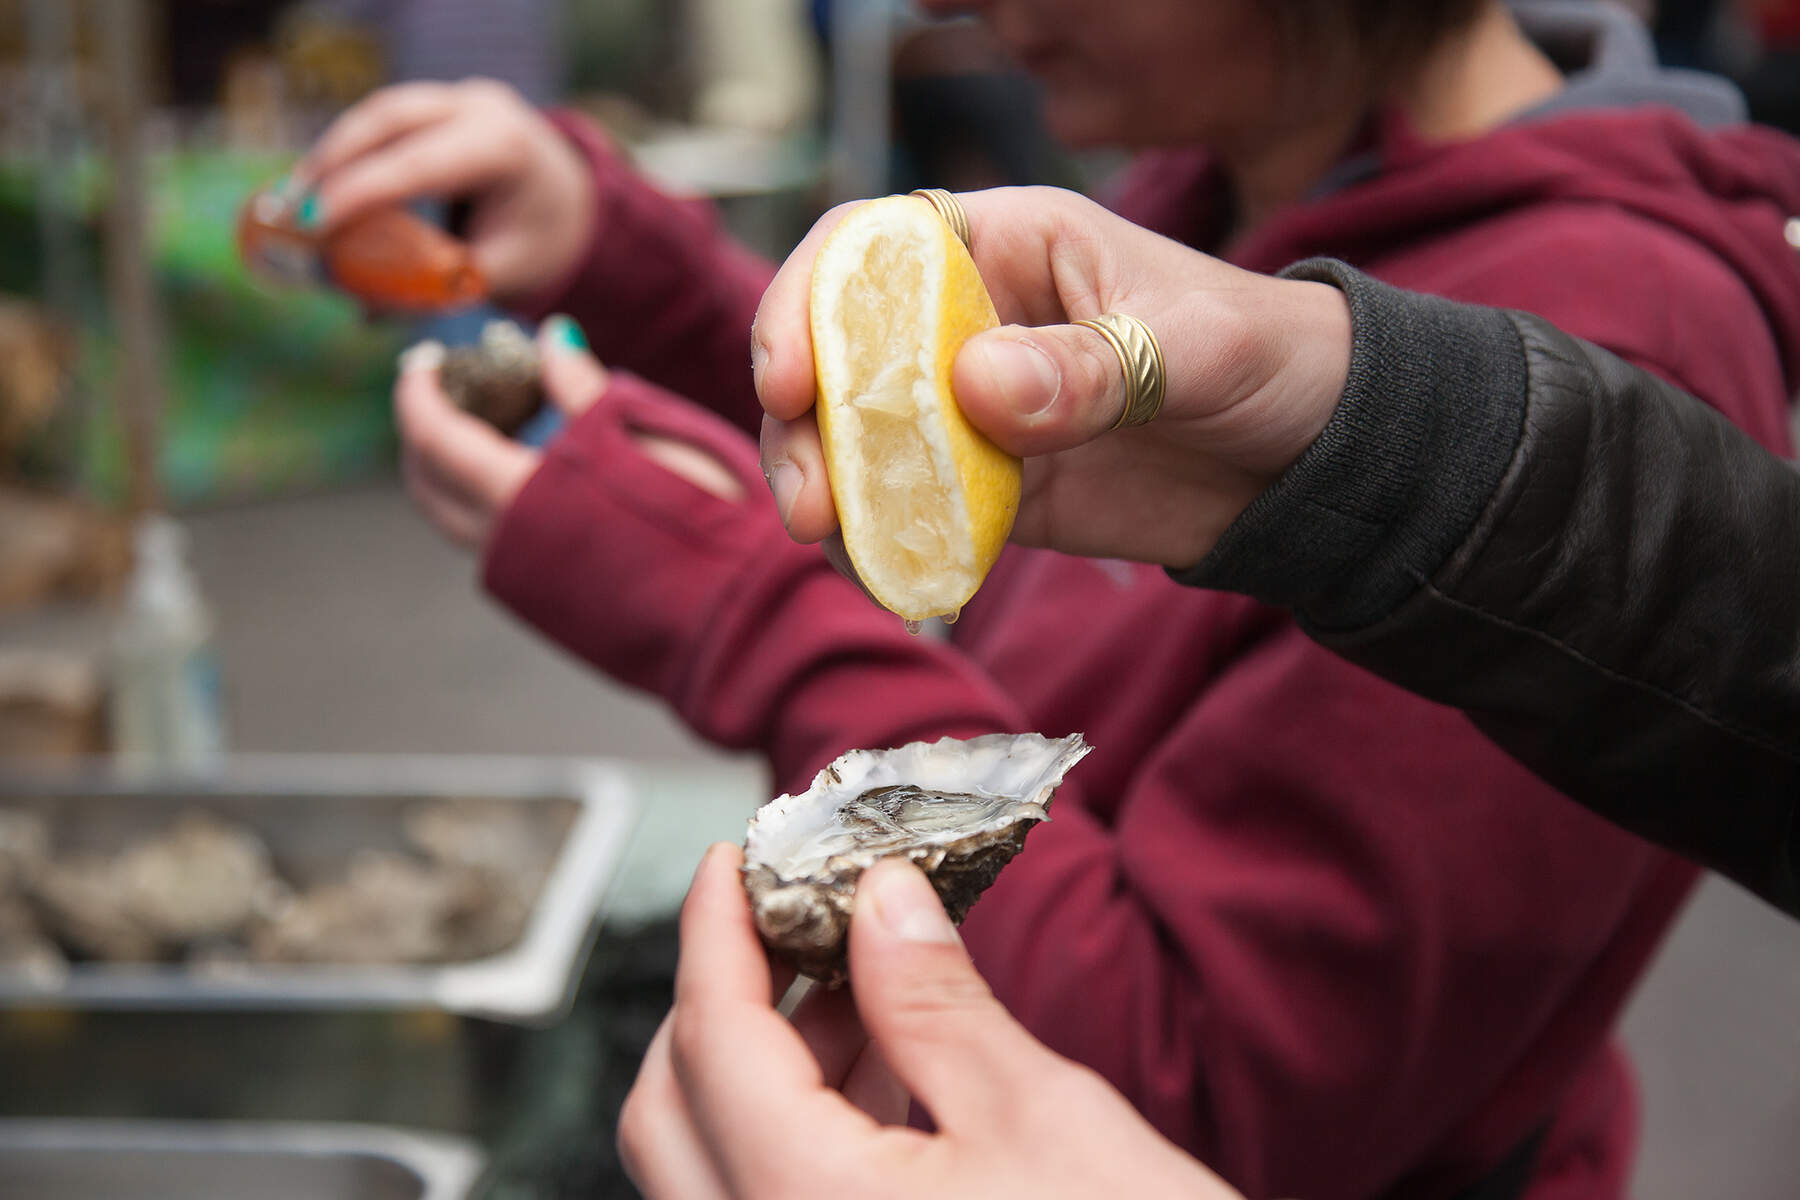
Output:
x,y
165,705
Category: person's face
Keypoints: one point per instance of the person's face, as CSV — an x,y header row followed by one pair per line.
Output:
x,y
1142,72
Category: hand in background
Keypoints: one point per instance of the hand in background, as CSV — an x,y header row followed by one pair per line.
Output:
x,y
734,1101
1255,367
463,473
531,193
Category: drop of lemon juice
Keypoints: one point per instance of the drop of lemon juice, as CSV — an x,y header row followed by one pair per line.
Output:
x,y
913,627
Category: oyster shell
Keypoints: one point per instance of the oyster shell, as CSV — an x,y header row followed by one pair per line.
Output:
x,y
24,946
497,379
388,908
24,850
201,879
959,809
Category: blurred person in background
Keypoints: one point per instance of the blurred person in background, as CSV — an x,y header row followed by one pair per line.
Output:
x,y
963,115
755,63
1281,907
1684,30
510,40
1773,84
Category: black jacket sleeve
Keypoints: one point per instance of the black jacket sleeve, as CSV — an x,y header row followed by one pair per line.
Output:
x,y
1600,570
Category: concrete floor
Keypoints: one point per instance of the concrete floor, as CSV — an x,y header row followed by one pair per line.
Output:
x,y
1718,1052
347,626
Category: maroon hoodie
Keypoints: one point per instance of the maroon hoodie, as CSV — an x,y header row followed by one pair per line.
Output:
x,y
1319,931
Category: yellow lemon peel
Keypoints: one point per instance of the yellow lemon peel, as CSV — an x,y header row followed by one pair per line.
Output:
x,y
925,501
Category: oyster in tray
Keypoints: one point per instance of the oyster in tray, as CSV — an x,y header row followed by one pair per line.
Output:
x,y
958,809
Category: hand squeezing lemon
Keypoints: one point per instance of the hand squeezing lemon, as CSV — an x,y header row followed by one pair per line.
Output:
x,y
925,501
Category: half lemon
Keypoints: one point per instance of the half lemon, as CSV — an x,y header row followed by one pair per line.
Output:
x,y
924,500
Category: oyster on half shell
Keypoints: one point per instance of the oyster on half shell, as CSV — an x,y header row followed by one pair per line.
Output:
x,y
958,809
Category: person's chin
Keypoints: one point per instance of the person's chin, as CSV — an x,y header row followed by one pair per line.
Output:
x,y
1081,125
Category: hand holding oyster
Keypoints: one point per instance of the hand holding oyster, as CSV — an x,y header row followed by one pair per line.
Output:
x,y
738,1099
499,378
958,809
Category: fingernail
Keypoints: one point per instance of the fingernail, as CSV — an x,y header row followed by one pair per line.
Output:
x,y
312,211
700,868
425,356
566,334
785,481
759,362
1026,379
906,904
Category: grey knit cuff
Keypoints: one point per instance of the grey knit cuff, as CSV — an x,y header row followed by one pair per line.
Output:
x,y
1430,417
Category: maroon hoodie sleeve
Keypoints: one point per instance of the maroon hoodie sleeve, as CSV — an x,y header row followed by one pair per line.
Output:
x,y
756,642
662,290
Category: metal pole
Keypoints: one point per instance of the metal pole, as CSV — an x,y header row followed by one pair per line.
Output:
x,y
50,49
50,38
121,25
862,35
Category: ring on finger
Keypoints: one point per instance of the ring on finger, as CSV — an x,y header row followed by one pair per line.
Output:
x,y
949,208
1141,359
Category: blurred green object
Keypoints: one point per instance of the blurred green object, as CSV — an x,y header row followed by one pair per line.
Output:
x,y
269,391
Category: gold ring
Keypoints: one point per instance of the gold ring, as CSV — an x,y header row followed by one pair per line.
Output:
x,y
949,208
1141,358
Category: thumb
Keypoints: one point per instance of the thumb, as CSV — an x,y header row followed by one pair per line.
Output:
x,y
944,1036
1038,391
573,377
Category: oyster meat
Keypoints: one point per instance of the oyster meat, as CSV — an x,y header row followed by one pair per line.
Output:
x,y
959,809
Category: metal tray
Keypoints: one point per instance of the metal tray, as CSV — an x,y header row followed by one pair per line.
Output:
x,y
204,1160
309,808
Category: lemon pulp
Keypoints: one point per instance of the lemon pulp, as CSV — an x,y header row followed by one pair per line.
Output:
x,y
924,500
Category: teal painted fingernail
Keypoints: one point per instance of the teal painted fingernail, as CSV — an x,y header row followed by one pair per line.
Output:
x,y
312,212
566,333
